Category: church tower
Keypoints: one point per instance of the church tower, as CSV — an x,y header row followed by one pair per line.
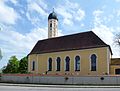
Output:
x,y
52,25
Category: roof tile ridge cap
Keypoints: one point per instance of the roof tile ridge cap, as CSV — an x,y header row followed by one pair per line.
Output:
x,y
44,39
73,34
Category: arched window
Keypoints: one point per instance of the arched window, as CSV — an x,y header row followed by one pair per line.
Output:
x,y
33,65
67,63
50,24
77,63
93,62
50,64
58,63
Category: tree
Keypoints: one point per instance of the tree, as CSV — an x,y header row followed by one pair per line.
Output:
x,y
0,54
23,65
117,39
12,66
16,66
0,50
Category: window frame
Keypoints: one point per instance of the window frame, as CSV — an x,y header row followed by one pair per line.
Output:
x,y
33,65
96,62
50,68
75,63
57,64
65,64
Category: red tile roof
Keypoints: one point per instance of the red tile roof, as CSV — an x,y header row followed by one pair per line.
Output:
x,y
77,41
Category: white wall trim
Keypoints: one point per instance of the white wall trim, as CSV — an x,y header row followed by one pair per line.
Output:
x,y
55,64
37,63
47,64
108,60
29,64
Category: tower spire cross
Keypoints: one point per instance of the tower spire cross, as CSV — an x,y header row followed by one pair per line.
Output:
x,y
53,9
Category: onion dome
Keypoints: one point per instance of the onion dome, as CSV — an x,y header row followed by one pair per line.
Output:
x,y
52,15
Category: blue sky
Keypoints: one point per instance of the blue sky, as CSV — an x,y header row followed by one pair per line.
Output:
x,y
24,22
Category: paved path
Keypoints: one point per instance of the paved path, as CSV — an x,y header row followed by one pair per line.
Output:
x,y
57,86
18,88
32,87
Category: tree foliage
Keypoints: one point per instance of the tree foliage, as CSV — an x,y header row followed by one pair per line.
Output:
x,y
16,66
117,39
0,54
12,66
23,65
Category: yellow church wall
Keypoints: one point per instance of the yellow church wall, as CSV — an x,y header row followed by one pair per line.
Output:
x,y
102,54
115,64
112,69
32,58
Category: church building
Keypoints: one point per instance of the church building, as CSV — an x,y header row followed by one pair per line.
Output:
x,y
77,54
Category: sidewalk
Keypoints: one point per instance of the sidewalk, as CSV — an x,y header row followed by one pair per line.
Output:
x,y
57,86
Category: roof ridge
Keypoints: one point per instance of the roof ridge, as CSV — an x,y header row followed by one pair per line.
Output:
x,y
69,42
66,35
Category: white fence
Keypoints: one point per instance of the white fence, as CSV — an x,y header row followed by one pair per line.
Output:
x,y
112,80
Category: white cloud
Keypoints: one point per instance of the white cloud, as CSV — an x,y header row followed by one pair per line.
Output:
x,y
14,43
71,5
82,25
97,17
117,0
7,14
34,20
97,13
35,10
40,3
66,15
14,1
60,33
70,11
35,7
67,22
20,41
80,15
62,11
104,32
118,13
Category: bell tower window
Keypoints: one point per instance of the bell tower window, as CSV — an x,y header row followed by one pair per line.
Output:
x,y
50,25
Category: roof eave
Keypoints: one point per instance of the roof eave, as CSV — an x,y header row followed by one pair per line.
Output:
x,y
51,51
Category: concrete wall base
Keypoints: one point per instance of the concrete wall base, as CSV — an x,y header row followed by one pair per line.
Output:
x,y
83,80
